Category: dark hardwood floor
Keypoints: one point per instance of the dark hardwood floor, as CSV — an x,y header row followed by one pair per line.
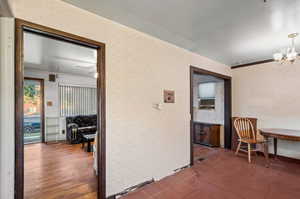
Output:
x,y
59,171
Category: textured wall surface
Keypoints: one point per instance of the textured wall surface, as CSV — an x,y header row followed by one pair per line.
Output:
x,y
7,112
5,10
270,92
142,142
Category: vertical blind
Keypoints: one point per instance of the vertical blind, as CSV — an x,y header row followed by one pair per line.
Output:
x,y
75,100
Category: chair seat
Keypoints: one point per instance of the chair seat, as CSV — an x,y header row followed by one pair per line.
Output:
x,y
252,141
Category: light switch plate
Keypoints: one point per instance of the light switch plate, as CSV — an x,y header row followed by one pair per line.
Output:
x,y
49,103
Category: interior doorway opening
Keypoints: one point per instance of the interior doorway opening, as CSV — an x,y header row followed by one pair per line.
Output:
x,y
60,114
210,109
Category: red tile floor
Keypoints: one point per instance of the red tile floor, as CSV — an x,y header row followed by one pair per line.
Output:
x,y
226,176
203,152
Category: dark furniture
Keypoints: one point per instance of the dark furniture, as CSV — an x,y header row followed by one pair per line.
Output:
x,y
80,125
207,134
284,134
89,138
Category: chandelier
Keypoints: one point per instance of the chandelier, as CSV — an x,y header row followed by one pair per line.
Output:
x,y
289,54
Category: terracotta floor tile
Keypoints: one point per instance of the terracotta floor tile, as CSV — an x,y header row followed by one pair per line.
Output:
x,y
226,176
153,189
139,194
282,194
167,194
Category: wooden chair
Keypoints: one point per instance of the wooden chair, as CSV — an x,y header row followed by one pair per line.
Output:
x,y
248,135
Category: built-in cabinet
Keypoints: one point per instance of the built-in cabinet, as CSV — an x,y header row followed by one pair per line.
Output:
x,y
207,134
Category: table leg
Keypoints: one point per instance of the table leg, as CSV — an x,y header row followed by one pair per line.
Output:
x,y
266,151
89,146
275,147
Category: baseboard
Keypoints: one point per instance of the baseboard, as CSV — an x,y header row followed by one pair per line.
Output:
x,y
181,168
135,187
55,142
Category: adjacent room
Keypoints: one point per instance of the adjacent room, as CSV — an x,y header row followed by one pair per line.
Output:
x,y
148,99
60,118
208,115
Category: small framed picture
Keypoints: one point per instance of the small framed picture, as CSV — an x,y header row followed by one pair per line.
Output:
x,y
169,96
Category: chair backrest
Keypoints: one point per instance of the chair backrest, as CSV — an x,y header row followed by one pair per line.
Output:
x,y
244,128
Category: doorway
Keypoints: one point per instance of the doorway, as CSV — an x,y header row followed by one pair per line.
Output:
x,y
214,127
21,83
33,111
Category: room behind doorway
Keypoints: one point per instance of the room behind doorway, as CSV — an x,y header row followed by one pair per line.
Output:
x,y
210,108
45,163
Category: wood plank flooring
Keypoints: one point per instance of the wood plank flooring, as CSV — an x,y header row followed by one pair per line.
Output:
x,y
58,171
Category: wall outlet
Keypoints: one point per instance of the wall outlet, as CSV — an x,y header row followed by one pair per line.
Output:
x,y
63,132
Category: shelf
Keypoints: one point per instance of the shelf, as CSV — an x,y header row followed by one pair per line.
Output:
x,y
52,133
53,125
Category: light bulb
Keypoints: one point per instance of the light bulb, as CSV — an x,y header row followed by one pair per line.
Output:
x,y
292,55
278,56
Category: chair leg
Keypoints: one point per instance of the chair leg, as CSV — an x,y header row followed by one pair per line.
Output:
x,y
249,153
238,148
255,150
266,153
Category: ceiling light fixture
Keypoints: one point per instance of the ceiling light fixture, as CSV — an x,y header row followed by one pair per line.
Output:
x,y
289,54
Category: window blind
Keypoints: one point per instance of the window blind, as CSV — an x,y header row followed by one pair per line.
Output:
x,y
75,100
207,90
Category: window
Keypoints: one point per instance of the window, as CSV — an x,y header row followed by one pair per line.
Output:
x,y
207,95
76,100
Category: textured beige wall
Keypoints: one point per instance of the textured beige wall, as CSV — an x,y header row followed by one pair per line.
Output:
x,y
270,92
7,113
142,142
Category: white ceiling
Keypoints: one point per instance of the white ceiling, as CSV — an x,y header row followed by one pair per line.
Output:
x,y
43,53
229,31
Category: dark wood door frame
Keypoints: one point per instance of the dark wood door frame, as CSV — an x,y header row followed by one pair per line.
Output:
x,y
227,107
20,27
42,105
